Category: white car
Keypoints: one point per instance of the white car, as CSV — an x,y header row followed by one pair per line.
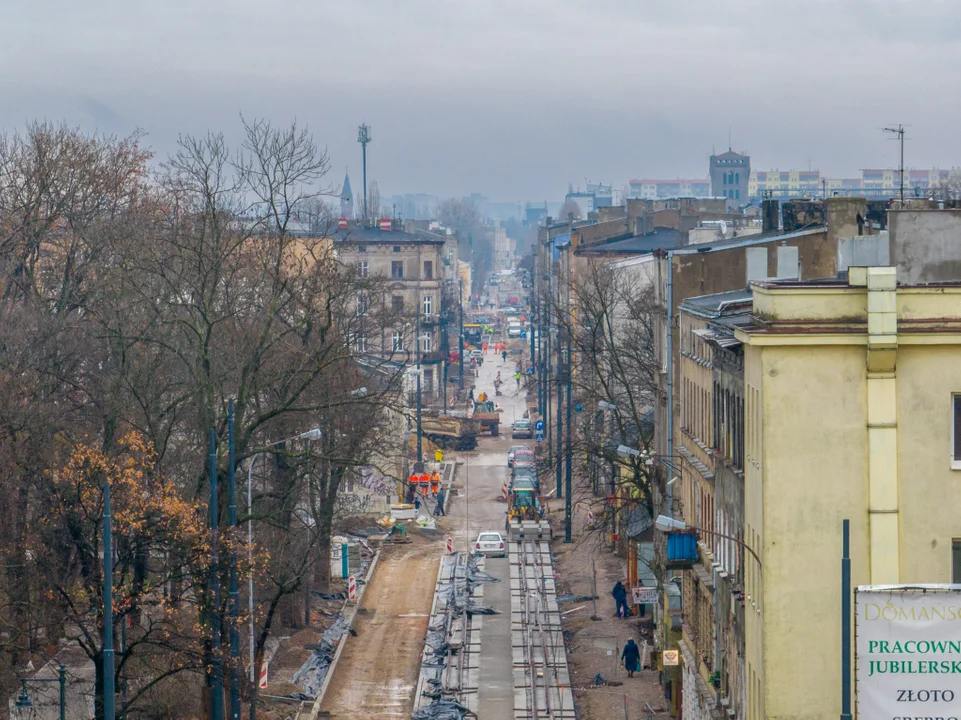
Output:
x,y
490,544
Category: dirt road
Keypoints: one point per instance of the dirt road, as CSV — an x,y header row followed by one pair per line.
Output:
x,y
377,673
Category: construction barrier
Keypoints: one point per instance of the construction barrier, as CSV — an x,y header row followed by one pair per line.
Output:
x,y
450,544
262,684
352,589
504,491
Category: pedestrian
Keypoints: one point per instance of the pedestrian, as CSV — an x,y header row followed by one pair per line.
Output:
x,y
517,378
439,508
435,483
619,592
416,503
504,356
631,657
470,395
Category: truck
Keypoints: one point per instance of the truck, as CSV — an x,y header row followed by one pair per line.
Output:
x,y
449,432
487,416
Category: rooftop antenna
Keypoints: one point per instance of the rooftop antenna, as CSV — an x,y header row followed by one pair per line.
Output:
x,y
729,145
899,132
363,137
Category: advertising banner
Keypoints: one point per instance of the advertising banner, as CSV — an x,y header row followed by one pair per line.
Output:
x,y
644,595
908,654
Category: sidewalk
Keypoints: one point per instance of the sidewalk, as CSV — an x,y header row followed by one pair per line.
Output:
x,y
594,647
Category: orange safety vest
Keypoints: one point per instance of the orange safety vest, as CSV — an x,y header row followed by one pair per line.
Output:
x,y
424,483
434,483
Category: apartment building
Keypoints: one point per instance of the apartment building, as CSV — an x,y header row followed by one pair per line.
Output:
x,y
852,410
410,265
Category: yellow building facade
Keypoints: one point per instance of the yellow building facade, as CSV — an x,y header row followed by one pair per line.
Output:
x,y
852,411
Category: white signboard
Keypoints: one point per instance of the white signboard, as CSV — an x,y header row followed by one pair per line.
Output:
x,y
644,595
908,651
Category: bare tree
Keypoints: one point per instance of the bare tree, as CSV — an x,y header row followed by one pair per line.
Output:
x,y
568,208
609,317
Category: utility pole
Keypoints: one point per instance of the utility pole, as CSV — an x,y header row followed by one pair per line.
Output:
x,y
420,435
570,452
899,132
233,610
363,137
217,668
558,476
460,349
845,620
109,699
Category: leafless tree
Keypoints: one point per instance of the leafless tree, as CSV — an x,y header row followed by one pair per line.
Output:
x,y
608,315
569,208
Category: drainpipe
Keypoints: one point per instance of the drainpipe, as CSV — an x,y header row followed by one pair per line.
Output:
x,y
717,637
670,373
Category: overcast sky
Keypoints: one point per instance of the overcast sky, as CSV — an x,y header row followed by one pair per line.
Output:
x,y
511,98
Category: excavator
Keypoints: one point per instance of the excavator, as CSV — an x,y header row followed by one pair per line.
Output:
x,y
526,512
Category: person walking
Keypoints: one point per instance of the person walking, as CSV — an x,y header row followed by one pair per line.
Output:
x,y
631,657
619,592
439,508
517,378
503,356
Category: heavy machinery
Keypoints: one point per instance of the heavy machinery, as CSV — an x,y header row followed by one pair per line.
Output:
x,y
526,512
487,415
449,432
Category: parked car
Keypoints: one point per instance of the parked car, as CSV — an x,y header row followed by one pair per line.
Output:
x,y
491,544
515,449
522,429
523,460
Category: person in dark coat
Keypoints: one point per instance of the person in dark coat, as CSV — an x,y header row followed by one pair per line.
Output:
x,y
439,508
631,657
620,597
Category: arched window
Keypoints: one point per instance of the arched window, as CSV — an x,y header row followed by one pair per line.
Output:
x,y
737,179
725,178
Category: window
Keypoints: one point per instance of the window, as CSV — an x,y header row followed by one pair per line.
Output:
x,y
428,269
363,303
397,269
397,303
363,269
737,194
428,304
396,248
397,341
956,561
426,342
358,343
361,248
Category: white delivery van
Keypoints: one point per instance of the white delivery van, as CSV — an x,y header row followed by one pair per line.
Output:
x,y
514,329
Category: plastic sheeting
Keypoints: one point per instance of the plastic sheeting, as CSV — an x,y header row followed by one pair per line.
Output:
x,y
311,674
443,709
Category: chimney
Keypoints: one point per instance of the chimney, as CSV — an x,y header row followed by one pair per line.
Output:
x,y
756,263
770,216
386,224
342,223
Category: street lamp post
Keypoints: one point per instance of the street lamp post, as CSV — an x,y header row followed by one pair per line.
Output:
x,y
233,608
311,435
420,434
109,710
217,668
460,349
24,701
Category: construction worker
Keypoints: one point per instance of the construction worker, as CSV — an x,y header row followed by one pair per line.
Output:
x,y
517,378
434,483
439,454
424,483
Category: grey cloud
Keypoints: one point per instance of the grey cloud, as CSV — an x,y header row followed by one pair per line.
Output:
x,y
513,98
